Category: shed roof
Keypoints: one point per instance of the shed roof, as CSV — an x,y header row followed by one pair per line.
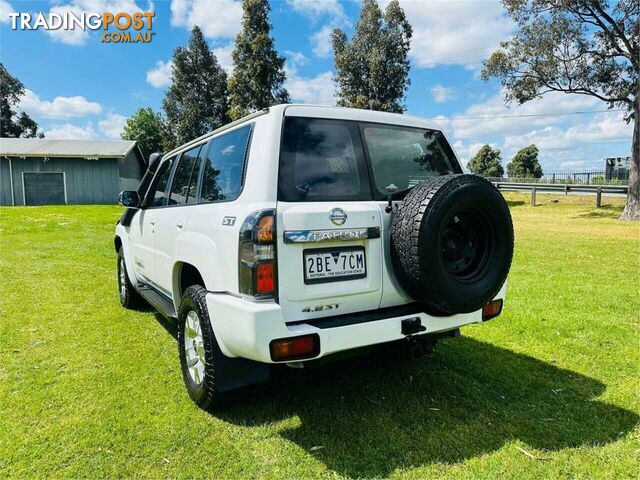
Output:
x,y
42,147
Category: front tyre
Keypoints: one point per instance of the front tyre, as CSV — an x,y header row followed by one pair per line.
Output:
x,y
198,351
129,297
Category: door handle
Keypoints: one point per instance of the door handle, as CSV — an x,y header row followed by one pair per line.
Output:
x,y
180,224
152,222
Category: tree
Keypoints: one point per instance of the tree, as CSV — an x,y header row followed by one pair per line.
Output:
x,y
372,70
258,75
145,127
14,124
525,164
487,162
584,47
196,101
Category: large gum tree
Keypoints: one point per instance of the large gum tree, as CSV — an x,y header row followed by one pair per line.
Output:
x,y
581,47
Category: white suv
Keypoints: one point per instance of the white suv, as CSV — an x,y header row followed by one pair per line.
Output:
x,y
301,231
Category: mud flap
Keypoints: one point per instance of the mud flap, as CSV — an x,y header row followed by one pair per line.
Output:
x,y
234,373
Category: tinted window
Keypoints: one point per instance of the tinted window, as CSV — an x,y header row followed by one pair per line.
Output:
x,y
403,157
183,188
321,160
158,194
224,166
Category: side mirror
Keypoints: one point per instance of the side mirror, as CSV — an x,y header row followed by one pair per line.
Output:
x,y
129,199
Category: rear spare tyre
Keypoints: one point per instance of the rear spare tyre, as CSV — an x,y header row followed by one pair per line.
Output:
x,y
452,243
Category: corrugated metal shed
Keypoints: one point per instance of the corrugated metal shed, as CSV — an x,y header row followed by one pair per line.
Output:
x,y
39,171
42,147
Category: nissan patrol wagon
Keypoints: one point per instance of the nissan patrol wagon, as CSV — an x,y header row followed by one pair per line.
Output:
x,y
299,232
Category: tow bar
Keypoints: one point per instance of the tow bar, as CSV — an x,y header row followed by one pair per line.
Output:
x,y
412,325
420,345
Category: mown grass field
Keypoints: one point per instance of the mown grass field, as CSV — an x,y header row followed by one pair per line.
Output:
x,y
549,389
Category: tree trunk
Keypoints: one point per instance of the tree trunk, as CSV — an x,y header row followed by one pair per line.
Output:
x,y
632,208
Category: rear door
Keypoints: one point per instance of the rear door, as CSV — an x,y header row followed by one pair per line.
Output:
x,y
172,220
329,247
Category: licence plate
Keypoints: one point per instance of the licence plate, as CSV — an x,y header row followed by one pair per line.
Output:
x,y
336,264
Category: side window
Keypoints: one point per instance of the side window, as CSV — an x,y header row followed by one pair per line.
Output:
x,y
224,165
183,188
158,194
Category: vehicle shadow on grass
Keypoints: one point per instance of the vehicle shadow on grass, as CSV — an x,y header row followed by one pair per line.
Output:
x,y
378,413
171,326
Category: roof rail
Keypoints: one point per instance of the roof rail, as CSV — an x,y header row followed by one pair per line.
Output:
x,y
219,130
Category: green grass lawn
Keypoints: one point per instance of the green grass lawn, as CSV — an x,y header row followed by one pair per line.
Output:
x,y
549,389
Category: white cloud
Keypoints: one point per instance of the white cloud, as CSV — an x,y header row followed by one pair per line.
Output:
x,y
606,127
321,44
296,58
317,90
493,117
73,36
331,12
108,127
441,94
5,10
223,54
459,32
565,141
572,164
59,107
219,19
112,125
315,8
160,76
77,36
72,132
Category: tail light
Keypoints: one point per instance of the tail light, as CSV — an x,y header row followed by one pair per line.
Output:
x,y
491,310
295,348
257,271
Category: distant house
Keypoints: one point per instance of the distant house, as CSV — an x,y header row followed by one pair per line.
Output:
x,y
38,171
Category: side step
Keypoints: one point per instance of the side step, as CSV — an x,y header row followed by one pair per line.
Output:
x,y
158,300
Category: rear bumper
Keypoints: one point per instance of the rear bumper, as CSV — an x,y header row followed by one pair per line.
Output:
x,y
245,329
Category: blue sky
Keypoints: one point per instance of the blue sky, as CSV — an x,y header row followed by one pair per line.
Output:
x,y
78,87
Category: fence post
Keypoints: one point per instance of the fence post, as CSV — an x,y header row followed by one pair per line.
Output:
x,y
599,197
533,197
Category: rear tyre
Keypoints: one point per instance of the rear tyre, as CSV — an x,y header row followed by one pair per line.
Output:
x,y
452,243
129,297
199,352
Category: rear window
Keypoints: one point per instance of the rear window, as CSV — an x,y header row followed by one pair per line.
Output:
x,y
321,160
402,157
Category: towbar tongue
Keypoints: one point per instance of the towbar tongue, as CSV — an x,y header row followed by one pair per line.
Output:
x,y
412,325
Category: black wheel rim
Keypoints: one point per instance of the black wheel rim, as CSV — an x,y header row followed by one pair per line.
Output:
x,y
464,245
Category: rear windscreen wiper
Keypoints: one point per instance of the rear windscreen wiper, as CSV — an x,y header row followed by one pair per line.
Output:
x,y
303,189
